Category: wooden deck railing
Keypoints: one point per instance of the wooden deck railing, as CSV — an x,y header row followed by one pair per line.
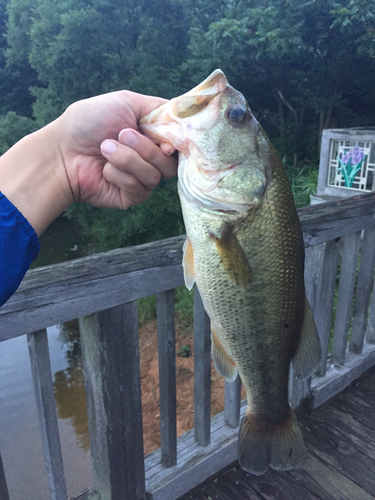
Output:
x,y
102,290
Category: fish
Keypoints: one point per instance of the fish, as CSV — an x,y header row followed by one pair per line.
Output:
x,y
244,250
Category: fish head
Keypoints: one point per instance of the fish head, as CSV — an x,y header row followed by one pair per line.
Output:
x,y
223,151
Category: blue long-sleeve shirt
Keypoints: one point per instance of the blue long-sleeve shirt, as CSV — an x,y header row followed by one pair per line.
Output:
x,y
19,246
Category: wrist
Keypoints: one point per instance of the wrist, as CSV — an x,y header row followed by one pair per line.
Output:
x,y
33,178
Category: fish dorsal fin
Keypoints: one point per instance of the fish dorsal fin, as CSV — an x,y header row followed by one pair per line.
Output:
x,y
308,354
188,264
223,363
232,257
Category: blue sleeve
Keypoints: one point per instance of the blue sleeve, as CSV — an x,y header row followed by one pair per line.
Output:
x,y
19,246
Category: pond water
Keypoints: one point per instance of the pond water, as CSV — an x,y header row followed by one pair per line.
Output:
x,y
20,443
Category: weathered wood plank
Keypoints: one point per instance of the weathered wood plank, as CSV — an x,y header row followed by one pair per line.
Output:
x,y
335,450
299,390
232,402
346,428
195,463
112,379
167,376
202,372
333,482
46,407
88,494
331,220
323,306
69,290
59,302
370,331
284,486
4,494
364,286
345,297
62,292
339,377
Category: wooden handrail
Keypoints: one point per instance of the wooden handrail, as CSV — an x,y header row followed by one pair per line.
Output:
x,y
101,290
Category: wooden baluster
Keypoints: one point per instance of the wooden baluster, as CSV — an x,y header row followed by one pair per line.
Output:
x,y
4,495
202,372
345,297
323,306
113,391
232,402
167,376
370,331
299,390
45,402
364,286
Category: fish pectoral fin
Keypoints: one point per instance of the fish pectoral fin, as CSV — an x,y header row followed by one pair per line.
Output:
x,y
232,257
308,353
277,445
188,264
223,363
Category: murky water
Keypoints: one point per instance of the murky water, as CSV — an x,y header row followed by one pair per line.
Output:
x,y
20,443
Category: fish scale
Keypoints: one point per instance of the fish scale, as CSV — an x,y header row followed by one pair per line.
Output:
x,y
244,250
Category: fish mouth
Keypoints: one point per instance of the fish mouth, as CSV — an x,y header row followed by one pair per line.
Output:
x,y
206,179
160,124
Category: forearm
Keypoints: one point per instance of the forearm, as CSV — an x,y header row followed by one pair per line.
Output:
x,y
32,177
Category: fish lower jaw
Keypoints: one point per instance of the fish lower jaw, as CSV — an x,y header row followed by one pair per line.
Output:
x,y
212,206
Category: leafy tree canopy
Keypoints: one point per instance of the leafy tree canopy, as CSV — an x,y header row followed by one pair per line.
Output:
x,y
303,65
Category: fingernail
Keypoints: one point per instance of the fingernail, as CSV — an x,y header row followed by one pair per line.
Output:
x,y
128,138
108,147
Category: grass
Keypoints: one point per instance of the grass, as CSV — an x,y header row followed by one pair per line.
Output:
x,y
303,181
184,306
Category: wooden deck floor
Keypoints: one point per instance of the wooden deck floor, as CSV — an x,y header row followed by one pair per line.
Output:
x,y
340,437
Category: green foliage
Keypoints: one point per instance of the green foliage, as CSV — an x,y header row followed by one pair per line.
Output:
x,y
302,65
303,181
12,128
146,309
184,307
158,217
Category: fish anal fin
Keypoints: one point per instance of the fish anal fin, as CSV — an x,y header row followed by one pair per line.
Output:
x,y
232,257
308,353
262,445
188,264
223,363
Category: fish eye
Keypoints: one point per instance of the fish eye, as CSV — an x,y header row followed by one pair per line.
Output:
x,y
237,115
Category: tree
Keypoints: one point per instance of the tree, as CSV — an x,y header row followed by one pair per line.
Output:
x,y
15,76
12,128
297,62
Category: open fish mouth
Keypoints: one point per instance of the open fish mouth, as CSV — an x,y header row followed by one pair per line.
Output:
x,y
166,124
215,133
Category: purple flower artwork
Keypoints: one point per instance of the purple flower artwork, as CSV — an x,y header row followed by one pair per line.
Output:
x,y
350,164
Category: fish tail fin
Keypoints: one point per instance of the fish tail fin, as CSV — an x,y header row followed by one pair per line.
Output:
x,y
262,445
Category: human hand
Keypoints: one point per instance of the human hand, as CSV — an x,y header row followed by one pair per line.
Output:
x,y
127,166
48,170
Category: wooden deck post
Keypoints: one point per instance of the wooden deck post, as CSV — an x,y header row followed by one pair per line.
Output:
x,y
46,407
112,379
4,495
363,293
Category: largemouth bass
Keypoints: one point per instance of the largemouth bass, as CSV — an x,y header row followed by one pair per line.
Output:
x,y
244,249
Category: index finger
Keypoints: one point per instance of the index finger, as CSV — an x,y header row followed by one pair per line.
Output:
x,y
150,152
